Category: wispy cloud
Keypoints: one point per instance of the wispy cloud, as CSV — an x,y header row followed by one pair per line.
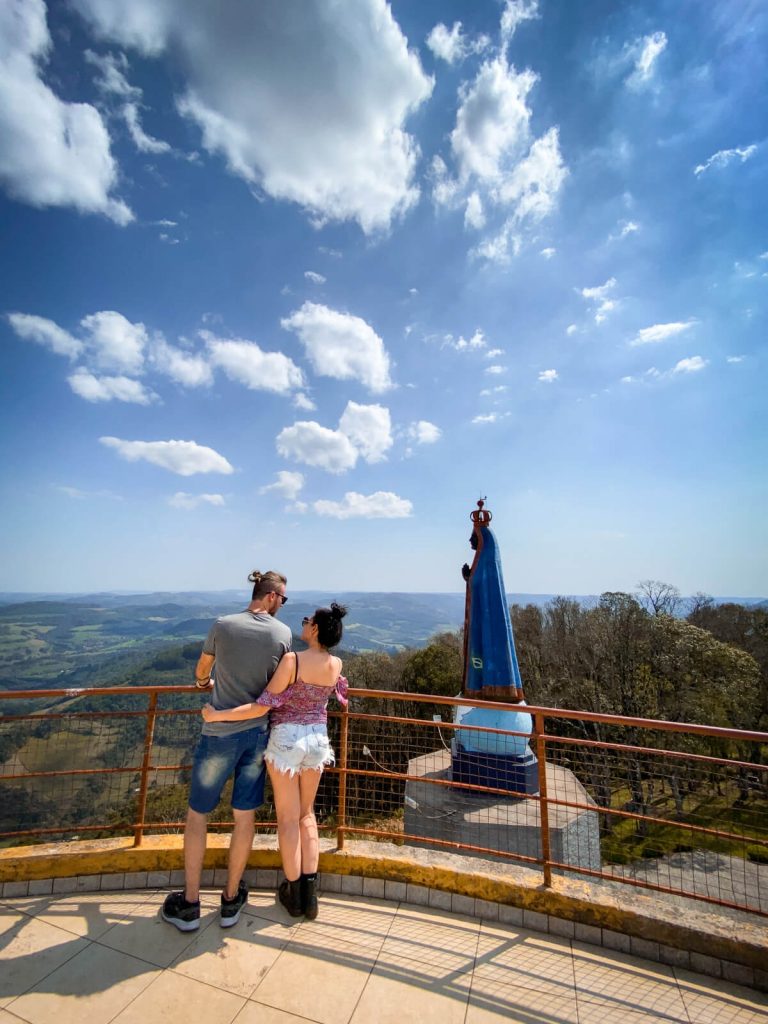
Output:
x,y
379,505
723,157
599,297
548,376
182,457
661,332
191,501
288,485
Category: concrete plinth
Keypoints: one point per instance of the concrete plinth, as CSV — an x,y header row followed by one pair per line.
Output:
x,y
506,824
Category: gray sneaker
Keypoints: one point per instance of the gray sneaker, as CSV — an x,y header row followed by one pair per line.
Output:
x,y
230,909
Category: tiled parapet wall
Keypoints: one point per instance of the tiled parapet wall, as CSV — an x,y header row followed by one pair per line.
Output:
x,y
671,930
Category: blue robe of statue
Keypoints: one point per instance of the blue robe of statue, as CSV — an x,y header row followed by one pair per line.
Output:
x,y
491,660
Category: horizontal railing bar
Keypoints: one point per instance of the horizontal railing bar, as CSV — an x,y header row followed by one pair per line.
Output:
x,y
422,698
586,716
94,691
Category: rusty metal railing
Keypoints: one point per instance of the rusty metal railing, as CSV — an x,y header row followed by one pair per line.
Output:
x,y
671,807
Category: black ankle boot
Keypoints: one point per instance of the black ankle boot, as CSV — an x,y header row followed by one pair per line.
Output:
x,y
290,897
309,896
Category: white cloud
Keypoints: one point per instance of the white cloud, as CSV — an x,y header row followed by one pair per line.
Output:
x,y
380,505
735,359
490,417
424,432
246,363
105,389
189,370
300,507
341,345
288,485
571,329
308,107
495,370
548,376
498,390
314,277
369,428
53,153
115,343
111,78
306,441
452,45
599,297
660,332
190,501
515,12
143,142
501,169
532,187
548,253
46,333
725,156
494,353
492,121
690,365
648,49
302,401
473,344
474,215
183,457
79,495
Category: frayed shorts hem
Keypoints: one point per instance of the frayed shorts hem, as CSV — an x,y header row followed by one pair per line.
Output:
x,y
278,765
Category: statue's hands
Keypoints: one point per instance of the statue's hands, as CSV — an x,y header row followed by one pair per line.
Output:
x,y
465,571
208,711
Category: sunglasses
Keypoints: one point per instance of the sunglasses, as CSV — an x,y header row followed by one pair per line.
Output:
x,y
282,597
306,621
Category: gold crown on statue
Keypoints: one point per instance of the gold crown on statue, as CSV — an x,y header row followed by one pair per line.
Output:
x,y
481,516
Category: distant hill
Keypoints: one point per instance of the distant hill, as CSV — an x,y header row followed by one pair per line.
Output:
x,y
52,641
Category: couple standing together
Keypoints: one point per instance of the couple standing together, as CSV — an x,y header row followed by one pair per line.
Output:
x,y
255,673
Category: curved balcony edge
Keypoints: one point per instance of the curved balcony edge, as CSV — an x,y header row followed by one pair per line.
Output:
x,y
671,930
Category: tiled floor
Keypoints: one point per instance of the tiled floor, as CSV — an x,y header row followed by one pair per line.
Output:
x,y
104,957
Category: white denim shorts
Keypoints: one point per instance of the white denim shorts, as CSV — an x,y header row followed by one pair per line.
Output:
x,y
295,748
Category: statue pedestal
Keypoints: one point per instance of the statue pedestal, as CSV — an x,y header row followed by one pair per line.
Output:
x,y
499,771
506,824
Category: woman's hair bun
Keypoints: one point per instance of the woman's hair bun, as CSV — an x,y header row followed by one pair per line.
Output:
x,y
255,576
338,611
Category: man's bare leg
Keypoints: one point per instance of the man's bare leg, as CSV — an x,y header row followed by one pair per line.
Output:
x,y
239,850
195,838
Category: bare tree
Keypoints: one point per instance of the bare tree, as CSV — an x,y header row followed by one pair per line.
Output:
x,y
657,597
697,604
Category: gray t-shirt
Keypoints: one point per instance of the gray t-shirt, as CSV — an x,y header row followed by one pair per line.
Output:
x,y
247,647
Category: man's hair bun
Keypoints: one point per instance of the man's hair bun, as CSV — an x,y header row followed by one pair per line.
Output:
x,y
338,611
255,576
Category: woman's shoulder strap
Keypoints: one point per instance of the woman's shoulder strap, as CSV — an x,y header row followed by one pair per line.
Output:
x,y
296,668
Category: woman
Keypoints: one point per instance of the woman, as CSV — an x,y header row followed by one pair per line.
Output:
x,y
298,748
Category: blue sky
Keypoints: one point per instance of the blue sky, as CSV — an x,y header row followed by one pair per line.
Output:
x,y
293,284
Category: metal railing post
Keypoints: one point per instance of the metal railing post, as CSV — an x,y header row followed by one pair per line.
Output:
x,y
541,754
343,758
149,732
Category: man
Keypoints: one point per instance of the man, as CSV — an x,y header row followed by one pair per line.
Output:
x,y
246,648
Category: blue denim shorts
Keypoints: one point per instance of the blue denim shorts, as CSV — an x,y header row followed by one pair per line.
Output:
x,y
219,757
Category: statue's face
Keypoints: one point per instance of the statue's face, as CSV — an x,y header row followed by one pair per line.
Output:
x,y
473,541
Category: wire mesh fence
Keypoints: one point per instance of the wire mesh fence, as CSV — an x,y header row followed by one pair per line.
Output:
x,y
680,809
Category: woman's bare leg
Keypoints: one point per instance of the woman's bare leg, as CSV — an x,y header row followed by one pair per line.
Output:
x,y
288,807
309,780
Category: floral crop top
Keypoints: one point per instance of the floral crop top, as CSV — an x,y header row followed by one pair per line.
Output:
x,y
303,703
